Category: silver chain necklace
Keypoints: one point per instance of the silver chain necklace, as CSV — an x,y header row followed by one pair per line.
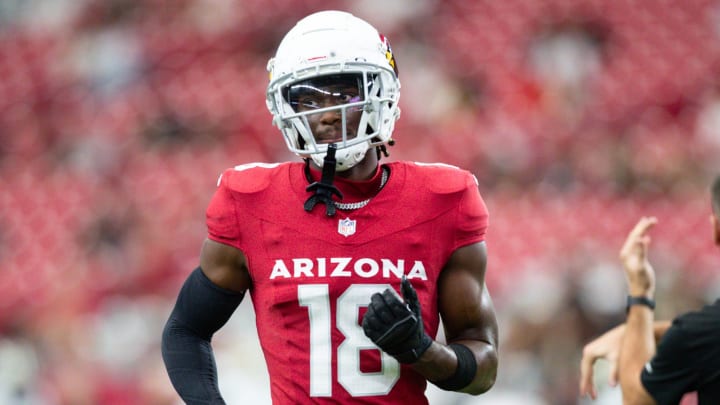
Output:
x,y
360,204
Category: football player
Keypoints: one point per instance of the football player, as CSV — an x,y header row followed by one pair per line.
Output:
x,y
351,264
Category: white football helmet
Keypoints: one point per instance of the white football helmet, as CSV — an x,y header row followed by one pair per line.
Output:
x,y
331,44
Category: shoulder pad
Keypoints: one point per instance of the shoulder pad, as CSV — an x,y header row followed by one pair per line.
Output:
x,y
445,179
248,178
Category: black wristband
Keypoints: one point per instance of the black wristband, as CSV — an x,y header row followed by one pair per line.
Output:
x,y
465,371
648,302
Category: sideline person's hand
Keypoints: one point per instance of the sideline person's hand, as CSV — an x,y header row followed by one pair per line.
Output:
x,y
639,272
606,347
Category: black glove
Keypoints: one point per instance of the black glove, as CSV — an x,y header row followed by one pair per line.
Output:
x,y
395,326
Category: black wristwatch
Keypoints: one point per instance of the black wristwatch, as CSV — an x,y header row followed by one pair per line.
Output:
x,y
648,302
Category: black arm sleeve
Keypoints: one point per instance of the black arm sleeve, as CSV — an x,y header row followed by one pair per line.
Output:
x,y
201,309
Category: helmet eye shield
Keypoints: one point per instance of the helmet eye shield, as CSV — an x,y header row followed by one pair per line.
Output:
x,y
330,108
325,91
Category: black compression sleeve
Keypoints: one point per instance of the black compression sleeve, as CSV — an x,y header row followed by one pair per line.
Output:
x,y
201,309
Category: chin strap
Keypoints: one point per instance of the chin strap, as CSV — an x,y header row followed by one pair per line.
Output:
x,y
324,188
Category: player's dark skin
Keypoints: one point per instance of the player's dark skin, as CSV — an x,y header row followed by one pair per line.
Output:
x,y
464,303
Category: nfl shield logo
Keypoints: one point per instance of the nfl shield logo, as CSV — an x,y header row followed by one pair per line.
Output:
x,y
346,227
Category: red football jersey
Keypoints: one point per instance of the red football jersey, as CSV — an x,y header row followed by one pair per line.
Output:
x,y
313,274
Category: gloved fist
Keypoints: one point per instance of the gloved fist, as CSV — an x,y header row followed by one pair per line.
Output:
x,y
395,326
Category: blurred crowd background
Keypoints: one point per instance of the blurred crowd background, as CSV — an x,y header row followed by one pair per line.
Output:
x,y
117,116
